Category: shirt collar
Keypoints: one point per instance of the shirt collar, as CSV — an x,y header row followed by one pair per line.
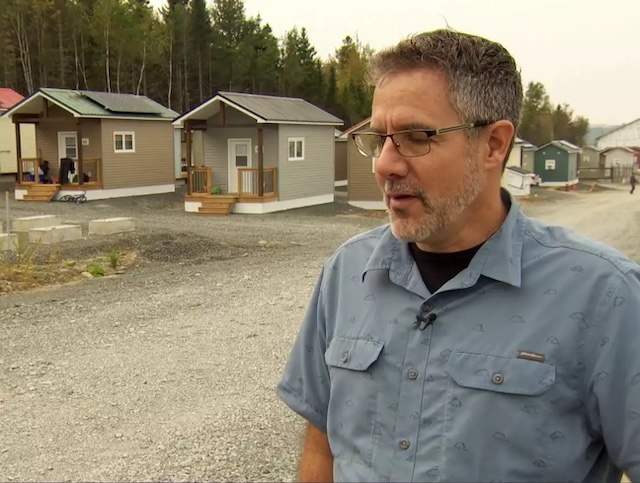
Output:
x,y
499,258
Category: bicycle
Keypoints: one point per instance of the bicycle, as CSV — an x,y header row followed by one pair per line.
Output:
x,y
81,198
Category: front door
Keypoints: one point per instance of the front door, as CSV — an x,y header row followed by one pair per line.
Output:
x,y
68,148
239,157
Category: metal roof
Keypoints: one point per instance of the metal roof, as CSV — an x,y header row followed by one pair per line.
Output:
x,y
617,129
9,98
280,109
98,104
564,145
519,170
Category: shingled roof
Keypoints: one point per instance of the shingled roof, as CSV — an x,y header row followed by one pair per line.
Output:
x,y
266,109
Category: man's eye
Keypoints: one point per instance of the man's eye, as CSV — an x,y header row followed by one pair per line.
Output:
x,y
418,137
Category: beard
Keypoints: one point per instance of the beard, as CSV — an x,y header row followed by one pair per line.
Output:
x,y
437,212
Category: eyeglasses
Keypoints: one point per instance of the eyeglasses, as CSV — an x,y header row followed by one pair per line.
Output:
x,y
410,143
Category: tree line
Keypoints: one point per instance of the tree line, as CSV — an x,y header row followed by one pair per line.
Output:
x,y
178,56
183,53
543,121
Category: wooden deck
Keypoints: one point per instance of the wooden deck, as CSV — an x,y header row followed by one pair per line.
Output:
x,y
200,189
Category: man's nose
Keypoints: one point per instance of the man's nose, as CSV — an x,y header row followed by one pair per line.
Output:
x,y
390,163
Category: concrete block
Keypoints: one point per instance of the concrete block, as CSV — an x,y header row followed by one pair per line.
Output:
x,y
55,234
109,226
8,242
28,223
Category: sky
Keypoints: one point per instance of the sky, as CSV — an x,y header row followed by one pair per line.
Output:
x,y
585,52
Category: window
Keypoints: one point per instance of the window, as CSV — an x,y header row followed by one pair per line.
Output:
x,y
296,149
124,142
71,146
550,164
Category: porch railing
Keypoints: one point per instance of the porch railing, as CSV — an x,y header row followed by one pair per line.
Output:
x,y
199,181
248,182
29,170
92,168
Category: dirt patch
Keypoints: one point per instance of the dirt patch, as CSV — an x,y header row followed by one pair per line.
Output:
x,y
18,278
158,247
35,266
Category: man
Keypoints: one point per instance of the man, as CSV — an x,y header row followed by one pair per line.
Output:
x,y
632,180
464,341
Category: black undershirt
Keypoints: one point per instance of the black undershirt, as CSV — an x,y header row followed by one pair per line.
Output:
x,y
438,268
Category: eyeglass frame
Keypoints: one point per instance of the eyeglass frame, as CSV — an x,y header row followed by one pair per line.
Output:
x,y
430,133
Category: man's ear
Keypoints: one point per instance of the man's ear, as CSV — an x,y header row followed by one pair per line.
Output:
x,y
498,140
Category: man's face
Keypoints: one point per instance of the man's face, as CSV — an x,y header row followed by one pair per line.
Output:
x,y
424,194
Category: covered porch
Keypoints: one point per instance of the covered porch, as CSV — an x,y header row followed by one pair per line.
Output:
x,y
62,161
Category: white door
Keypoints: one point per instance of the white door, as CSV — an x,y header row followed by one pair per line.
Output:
x,y
239,157
68,148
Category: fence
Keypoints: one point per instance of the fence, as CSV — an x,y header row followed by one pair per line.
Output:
x,y
616,174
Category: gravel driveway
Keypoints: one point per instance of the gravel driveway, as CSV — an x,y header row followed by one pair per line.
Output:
x,y
168,372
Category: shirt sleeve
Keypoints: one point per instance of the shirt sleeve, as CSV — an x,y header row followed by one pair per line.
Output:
x,y
613,371
305,386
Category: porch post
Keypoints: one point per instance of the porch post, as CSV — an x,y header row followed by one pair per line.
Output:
x,y
19,152
187,128
79,149
260,162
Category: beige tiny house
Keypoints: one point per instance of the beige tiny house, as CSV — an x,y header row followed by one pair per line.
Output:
x,y
113,145
341,172
8,156
363,190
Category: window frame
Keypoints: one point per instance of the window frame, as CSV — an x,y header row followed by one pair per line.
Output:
x,y
124,149
295,141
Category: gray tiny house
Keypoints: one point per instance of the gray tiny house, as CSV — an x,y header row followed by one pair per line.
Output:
x,y
260,154
557,163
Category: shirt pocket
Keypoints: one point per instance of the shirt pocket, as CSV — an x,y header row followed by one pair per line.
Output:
x,y
352,411
499,409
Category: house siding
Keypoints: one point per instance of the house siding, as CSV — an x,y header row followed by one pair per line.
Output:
x,y
151,164
589,158
215,147
313,176
528,159
341,171
514,159
231,116
566,164
619,157
627,136
362,182
8,153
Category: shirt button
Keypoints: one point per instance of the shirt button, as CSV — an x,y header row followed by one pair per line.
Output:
x,y
497,378
345,357
413,374
404,444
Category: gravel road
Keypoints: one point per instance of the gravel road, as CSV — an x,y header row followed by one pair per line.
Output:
x,y
167,373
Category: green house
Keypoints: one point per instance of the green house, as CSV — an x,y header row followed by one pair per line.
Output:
x,y
557,163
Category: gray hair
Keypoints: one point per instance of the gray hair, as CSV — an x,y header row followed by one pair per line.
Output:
x,y
484,80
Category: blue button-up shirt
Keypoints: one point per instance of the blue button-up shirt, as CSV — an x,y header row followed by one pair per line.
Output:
x,y
529,372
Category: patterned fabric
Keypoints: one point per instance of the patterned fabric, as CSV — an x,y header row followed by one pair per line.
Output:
x,y
529,371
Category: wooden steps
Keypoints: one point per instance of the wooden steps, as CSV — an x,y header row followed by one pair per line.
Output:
x,y
217,205
41,192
